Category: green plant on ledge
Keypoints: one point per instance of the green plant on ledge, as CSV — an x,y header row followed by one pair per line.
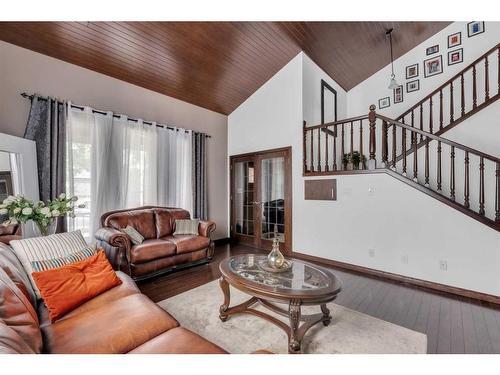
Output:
x,y
353,160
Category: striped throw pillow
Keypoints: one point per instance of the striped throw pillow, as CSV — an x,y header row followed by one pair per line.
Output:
x,y
48,264
133,234
186,227
39,249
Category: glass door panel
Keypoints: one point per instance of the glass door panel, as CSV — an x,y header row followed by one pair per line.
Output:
x,y
243,200
272,198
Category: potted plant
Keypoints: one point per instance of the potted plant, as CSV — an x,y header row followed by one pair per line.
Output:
x,y
353,160
43,215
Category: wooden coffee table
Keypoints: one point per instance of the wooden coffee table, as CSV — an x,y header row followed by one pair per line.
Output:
x,y
304,284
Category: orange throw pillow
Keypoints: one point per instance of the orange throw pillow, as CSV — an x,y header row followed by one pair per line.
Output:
x,y
67,287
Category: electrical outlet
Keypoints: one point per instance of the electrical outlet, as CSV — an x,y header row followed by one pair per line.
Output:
x,y
404,259
443,265
371,252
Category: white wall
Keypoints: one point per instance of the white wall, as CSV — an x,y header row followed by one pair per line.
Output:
x,y
24,70
370,90
4,161
393,219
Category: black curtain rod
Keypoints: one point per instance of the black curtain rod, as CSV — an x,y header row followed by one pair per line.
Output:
x,y
27,96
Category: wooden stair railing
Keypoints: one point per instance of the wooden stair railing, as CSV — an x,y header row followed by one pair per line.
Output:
x,y
460,97
437,170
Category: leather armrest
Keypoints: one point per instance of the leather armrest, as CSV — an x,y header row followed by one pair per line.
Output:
x,y
113,237
262,351
205,228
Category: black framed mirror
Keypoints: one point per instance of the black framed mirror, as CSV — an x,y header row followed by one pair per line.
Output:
x,y
328,101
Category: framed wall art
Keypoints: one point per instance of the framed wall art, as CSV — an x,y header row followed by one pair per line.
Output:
x,y
432,50
433,66
456,56
413,85
384,102
412,71
398,94
474,28
454,40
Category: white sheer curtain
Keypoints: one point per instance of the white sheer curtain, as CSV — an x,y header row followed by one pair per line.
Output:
x,y
115,163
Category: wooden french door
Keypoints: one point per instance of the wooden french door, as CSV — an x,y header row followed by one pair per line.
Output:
x,y
261,198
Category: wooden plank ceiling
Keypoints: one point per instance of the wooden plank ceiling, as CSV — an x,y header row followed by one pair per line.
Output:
x,y
217,65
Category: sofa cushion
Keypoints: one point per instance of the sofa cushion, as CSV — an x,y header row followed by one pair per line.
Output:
x,y
167,263
142,220
164,223
17,312
151,250
15,270
11,342
187,243
178,341
67,287
126,288
116,327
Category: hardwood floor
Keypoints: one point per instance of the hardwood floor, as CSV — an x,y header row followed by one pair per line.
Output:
x,y
453,324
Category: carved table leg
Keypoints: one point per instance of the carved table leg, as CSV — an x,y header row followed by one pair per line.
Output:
x,y
294,338
327,318
224,285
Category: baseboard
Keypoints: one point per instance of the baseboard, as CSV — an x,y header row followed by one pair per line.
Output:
x,y
400,278
222,241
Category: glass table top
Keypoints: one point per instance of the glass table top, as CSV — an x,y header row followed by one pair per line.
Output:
x,y
301,276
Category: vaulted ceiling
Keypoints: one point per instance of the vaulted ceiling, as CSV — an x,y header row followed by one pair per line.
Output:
x,y
217,65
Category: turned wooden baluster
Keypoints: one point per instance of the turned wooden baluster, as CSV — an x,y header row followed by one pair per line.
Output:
x,y
452,108
342,150
452,173
421,121
497,192
403,147
394,146
426,161
352,140
430,116
474,88
312,150
481,186
361,140
466,182
335,148
415,159
373,147
440,109
486,79
439,167
326,149
462,94
319,149
304,140
385,150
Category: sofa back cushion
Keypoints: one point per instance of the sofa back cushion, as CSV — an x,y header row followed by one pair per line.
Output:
x,y
141,220
15,270
17,312
11,342
165,220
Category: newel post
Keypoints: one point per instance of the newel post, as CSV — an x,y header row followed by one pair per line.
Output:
x,y
372,163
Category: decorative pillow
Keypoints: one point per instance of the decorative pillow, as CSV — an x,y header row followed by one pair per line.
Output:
x,y
67,287
133,234
44,265
186,227
44,248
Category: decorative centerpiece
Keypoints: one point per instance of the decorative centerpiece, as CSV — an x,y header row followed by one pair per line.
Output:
x,y
276,262
43,215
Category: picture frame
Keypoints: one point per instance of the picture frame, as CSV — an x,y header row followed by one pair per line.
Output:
x,y
432,50
433,66
398,94
413,85
384,102
454,39
456,56
475,28
412,71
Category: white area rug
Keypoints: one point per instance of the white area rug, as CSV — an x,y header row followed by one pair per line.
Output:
x,y
349,331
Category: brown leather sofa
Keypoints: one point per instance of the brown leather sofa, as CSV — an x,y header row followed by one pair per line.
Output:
x,y
9,233
121,320
161,251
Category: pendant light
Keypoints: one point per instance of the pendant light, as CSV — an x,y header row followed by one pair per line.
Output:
x,y
393,83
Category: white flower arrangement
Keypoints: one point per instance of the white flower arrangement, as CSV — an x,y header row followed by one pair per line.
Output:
x,y
20,210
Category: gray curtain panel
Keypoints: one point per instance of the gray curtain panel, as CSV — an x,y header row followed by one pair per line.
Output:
x,y
200,197
47,127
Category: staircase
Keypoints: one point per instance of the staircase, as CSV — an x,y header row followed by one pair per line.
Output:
x,y
412,148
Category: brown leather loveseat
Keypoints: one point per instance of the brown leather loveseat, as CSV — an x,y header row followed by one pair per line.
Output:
x,y
9,233
161,251
121,320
